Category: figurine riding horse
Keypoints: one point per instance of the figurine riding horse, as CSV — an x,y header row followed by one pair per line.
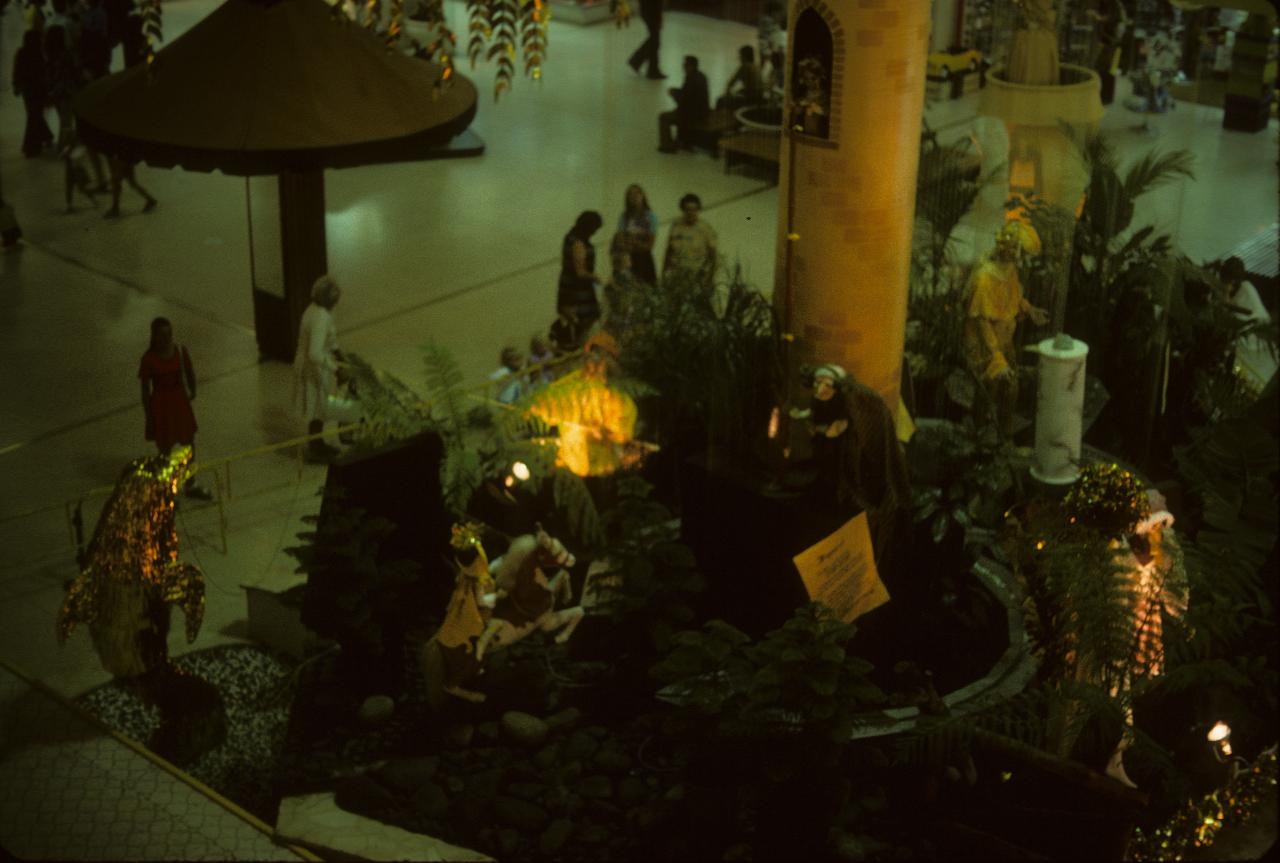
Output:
x,y
530,578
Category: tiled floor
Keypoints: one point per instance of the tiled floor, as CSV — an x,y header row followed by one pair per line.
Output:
x,y
69,791
463,252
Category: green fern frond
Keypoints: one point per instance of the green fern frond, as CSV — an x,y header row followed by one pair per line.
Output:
x,y
574,498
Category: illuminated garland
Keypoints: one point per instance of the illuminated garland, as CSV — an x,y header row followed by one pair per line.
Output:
x,y
1107,497
1197,824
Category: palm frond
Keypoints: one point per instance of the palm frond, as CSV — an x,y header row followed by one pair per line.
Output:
x,y
1155,169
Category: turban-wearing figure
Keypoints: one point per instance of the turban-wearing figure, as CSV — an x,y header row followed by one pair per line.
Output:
x,y
131,573
596,422
450,657
995,306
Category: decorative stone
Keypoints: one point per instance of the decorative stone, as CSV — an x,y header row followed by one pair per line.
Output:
x,y
525,790
566,718
488,731
546,757
556,834
460,735
431,800
611,760
484,785
592,834
376,709
632,790
362,795
598,787
508,842
406,775
580,745
524,729
520,814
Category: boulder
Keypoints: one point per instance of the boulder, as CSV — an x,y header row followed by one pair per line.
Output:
x,y
556,834
508,842
612,760
632,790
546,757
406,775
526,790
524,729
520,814
566,718
376,709
596,787
579,746
431,800
363,796
460,735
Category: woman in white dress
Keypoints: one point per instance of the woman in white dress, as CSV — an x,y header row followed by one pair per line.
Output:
x,y
316,363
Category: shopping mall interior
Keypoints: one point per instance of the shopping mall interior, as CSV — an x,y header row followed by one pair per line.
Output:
x,y
465,254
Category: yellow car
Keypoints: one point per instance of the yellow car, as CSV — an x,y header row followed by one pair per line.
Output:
x,y
944,64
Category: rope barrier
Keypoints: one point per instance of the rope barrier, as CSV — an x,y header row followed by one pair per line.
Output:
x,y
69,505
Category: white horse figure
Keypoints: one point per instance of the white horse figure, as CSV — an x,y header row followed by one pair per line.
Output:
x,y
531,576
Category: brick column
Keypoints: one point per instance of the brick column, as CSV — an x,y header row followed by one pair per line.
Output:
x,y
850,199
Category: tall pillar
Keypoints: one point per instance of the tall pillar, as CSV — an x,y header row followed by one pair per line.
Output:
x,y
286,254
848,183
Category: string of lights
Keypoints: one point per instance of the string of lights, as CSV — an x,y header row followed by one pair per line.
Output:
x,y
1198,823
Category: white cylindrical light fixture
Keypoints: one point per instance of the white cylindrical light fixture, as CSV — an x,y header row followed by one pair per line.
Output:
x,y
1060,410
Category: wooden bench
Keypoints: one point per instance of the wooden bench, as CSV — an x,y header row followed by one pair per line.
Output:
x,y
756,148
707,135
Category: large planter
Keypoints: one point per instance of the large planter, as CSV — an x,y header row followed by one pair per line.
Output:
x,y
760,118
1042,157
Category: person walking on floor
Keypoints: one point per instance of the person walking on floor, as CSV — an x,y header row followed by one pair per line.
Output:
x,y
651,14
693,104
75,158
639,227
316,364
168,388
31,82
122,171
576,292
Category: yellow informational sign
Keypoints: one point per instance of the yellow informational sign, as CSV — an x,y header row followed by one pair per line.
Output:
x,y
840,571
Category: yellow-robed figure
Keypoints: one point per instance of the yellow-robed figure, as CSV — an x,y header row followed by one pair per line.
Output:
x,y
995,303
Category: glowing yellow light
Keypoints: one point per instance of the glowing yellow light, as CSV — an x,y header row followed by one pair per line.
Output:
x,y
773,423
1040,545
793,237
509,481
1219,731
1005,776
520,471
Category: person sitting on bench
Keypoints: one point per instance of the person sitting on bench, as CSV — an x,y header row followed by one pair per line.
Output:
x,y
747,80
693,104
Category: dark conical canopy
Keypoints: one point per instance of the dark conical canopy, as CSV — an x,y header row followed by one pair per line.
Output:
x,y
258,88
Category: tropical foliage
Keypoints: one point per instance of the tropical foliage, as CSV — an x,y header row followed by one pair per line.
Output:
x,y
797,678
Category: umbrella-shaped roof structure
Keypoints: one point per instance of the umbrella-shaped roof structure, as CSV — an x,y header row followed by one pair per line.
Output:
x,y
267,86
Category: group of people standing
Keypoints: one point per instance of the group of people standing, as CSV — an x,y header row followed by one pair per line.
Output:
x,y
690,256
64,48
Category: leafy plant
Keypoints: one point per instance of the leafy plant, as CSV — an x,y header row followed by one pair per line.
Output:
x,y
797,679
1108,262
392,411
963,475
351,592
653,576
946,190
719,369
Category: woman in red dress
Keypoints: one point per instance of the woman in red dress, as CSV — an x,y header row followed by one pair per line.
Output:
x,y
168,386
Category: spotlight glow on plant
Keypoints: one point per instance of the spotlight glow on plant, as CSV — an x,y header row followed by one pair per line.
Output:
x,y
520,471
